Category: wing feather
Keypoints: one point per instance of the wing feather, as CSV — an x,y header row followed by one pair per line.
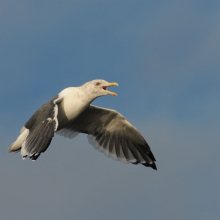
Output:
x,y
112,134
41,127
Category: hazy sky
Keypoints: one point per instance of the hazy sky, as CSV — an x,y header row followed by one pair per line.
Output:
x,y
165,57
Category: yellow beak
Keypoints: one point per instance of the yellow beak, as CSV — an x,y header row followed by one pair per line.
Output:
x,y
112,84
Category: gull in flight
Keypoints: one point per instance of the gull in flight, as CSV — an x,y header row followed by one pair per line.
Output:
x,y
70,113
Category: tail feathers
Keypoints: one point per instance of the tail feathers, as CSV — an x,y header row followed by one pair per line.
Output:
x,y
16,146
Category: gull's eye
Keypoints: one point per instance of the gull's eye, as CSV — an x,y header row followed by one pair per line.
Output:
x,y
98,83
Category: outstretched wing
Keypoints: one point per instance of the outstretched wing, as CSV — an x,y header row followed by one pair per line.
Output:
x,y
111,134
41,127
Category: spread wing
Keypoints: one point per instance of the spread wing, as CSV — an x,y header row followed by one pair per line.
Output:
x,y
41,127
112,134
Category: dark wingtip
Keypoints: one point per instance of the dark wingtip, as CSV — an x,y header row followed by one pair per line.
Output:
x,y
150,154
153,165
34,156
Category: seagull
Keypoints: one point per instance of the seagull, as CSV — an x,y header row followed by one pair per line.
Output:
x,y
70,113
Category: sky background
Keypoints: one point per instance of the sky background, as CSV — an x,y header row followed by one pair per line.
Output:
x,y
165,57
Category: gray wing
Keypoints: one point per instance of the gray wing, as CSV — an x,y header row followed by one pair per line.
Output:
x,y
112,134
41,127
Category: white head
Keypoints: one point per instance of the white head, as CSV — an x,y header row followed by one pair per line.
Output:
x,y
97,88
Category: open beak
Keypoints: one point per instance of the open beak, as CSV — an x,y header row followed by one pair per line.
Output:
x,y
110,84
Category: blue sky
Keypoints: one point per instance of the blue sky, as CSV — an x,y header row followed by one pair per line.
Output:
x,y
165,57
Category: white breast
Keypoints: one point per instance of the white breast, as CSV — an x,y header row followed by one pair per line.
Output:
x,y
73,103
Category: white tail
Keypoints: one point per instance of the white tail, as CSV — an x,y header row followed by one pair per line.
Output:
x,y
16,146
